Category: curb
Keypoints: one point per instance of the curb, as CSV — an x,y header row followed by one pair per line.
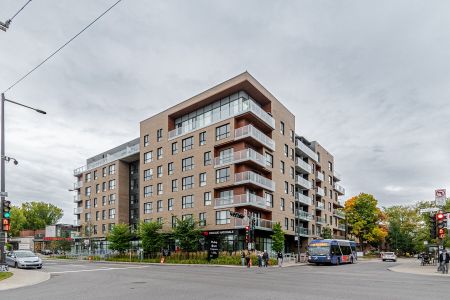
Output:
x,y
397,270
13,283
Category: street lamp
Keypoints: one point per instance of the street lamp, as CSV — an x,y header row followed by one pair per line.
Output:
x,y
2,165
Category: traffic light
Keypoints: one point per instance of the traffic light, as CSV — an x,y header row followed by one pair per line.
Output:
x,y
433,234
247,234
6,214
252,230
441,224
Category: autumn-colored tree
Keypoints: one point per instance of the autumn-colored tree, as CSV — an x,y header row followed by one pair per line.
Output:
x,y
364,218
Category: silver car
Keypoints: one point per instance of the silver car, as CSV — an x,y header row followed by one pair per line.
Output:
x,y
389,256
23,259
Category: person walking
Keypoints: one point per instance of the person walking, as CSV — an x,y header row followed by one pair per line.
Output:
x,y
444,259
243,258
259,260
247,259
280,258
265,258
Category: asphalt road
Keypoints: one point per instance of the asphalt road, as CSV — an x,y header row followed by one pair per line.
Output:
x,y
364,280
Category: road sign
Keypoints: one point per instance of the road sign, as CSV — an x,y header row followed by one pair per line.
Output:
x,y
440,196
430,209
236,214
3,194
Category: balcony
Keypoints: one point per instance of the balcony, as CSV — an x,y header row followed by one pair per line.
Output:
x,y
77,210
302,148
241,156
337,176
319,176
341,227
302,166
303,231
321,220
129,150
254,133
339,213
77,222
320,191
303,199
303,182
77,185
77,198
303,215
241,200
339,189
320,205
253,178
244,106
261,224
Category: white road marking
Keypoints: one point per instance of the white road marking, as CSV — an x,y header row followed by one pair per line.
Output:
x,y
94,270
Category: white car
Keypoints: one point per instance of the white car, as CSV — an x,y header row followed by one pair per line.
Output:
x,y
23,259
389,256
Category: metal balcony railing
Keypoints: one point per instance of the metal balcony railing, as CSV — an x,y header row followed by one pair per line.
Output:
x,y
252,177
77,222
303,182
240,200
320,191
320,205
303,231
303,165
339,213
304,215
341,227
321,220
338,188
306,150
253,132
303,199
240,156
319,176
78,185
260,223
77,210
76,198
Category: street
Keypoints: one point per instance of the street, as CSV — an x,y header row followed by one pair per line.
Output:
x,y
364,280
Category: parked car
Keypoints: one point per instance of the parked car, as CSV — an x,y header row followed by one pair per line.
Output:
x,y
47,252
23,259
389,256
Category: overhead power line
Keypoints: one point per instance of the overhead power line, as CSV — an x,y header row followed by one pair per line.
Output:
x,y
5,26
60,48
19,11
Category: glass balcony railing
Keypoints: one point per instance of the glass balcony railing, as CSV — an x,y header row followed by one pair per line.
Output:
x,y
320,205
320,191
240,200
319,176
253,132
77,222
304,215
133,149
303,199
341,227
338,188
244,106
77,198
321,220
240,156
77,210
303,166
252,177
78,185
339,214
303,182
303,231
306,150
259,224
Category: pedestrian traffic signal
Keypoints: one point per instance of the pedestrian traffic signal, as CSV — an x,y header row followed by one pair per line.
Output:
x,y
441,233
6,225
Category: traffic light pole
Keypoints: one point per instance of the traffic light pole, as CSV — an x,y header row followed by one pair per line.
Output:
x,y
2,185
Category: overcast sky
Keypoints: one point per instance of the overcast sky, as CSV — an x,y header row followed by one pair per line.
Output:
x,y
368,79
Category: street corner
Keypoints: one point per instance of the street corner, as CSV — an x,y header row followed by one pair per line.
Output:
x,y
23,278
411,266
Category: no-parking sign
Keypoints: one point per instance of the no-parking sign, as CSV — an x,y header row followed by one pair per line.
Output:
x,y
440,197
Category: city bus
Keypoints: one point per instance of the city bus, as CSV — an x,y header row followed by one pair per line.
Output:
x,y
330,251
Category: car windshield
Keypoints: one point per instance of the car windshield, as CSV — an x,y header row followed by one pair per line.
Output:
x,y
24,254
388,253
319,250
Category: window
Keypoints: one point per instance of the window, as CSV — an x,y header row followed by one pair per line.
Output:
x,y
159,135
103,200
330,166
110,226
103,214
175,185
282,204
159,188
292,173
292,225
329,206
87,204
187,182
148,191
282,127
222,132
223,175
207,158
187,163
112,199
170,204
292,154
148,207
97,188
174,221
148,174
207,198
222,217
292,190
202,219
88,177
202,179
269,199
104,186
112,184
112,213
286,223
292,207
331,220
170,168
87,216
292,135
330,180
95,175
318,157
146,140
104,172
282,167
187,201
148,157
159,171
186,217
174,148
159,153
103,228
269,159
159,206
202,138
112,169
286,150
95,202
87,191
286,187
187,143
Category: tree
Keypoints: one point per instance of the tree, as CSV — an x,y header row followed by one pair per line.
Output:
x,y
18,221
187,234
404,223
119,238
277,238
151,237
364,218
40,214
327,233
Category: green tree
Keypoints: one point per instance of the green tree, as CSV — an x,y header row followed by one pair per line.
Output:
x,y
364,218
151,236
326,233
18,221
40,214
187,234
277,238
119,238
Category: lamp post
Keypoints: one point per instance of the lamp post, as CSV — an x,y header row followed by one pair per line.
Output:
x,y
2,165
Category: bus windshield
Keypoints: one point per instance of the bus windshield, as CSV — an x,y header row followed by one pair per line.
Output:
x,y
319,249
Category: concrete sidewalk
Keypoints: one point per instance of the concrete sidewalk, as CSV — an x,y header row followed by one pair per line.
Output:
x,y
23,278
412,266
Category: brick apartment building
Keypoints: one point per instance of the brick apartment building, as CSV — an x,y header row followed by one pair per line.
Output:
x,y
230,148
